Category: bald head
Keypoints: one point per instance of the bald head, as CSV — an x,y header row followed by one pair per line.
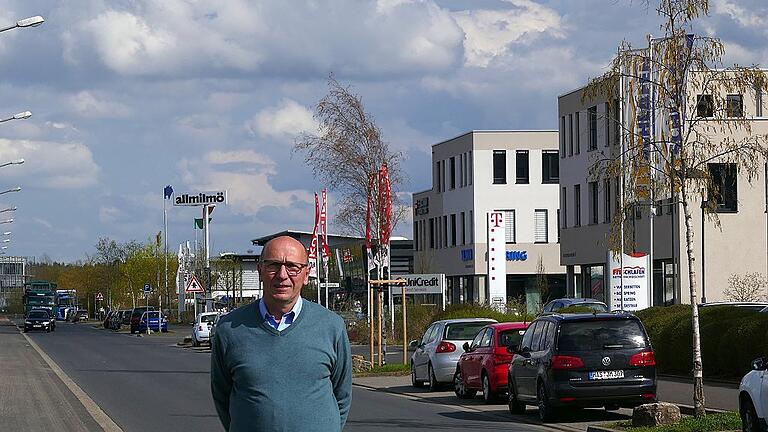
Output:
x,y
284,248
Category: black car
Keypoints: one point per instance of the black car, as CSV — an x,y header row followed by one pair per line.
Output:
x,y
136,317
37,320
582,360
562,303
51,316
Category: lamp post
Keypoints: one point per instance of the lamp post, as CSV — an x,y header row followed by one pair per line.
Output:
x,y
26,22
18,116
14,208
15,162
6,221
16,189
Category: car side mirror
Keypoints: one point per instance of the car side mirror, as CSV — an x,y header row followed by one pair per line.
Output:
x,y
466,347
758,364
512,349
412,345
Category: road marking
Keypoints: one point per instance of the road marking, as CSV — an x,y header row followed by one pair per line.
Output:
x,y
103,420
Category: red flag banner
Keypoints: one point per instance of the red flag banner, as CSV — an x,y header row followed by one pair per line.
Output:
x,y
324,225
313,243
385,204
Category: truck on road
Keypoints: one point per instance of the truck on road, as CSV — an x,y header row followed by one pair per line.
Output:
x,y
40,294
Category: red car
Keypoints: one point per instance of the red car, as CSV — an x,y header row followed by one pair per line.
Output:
x,y
484,364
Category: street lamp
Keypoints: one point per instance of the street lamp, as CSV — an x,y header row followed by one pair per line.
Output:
x,y
7,233
6,221
16,189
5,241
14,162
26,22
18,116
7,210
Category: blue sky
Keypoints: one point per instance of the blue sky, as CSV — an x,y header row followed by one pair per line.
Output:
x,y
129,96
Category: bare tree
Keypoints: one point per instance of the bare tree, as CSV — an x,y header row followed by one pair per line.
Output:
x,y
695,130
345,152
749,287
542,283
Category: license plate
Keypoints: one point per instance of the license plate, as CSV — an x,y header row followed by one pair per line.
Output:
x,y
606,375
37,325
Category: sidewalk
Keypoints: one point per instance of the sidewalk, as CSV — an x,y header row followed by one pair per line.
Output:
x,y
722,396
33,398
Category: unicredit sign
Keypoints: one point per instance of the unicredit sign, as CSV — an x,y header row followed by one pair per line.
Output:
x,y
423,283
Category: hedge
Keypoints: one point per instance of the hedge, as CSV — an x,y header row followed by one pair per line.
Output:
x,y
730,339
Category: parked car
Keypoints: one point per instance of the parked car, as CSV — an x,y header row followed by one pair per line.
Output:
x,y
37,319
562,303
116,319
51,317
202,329
154,321
80,315
435,356
755,306
107,318
136,317
753,397
485,362
582,360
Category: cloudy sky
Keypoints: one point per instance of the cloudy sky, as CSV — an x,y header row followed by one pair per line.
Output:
x,y
129,96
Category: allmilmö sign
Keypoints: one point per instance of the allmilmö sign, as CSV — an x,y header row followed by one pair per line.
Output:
x,y
200,198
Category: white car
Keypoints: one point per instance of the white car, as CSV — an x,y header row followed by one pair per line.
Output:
x,y
203,324
753,397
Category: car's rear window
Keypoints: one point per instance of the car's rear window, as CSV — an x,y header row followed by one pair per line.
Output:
x,y
38,315
207,318
600,335
463,331
597,307
511,337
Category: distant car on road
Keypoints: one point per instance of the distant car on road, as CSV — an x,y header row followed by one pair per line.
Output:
x,y
80,315
51,317
753,397
435,356
755,306
203,325
37,320
136,317
580,361
484,364
154,321
562,303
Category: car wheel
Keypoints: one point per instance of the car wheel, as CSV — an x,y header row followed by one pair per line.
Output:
x,y
489,396
460,387
433,384
546,411
748,416
414,382
515,406
25,330
48,330
195,343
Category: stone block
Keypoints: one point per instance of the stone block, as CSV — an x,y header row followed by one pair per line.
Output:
x,y
655,414
360,364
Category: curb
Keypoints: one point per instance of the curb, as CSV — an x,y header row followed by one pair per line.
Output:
x,y
733,381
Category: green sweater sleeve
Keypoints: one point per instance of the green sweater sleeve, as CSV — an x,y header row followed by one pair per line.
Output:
x,y
221,382
342,376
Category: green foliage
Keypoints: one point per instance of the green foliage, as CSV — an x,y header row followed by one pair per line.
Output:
x,y
730,338
712,422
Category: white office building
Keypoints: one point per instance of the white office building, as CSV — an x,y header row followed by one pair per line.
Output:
x,y
474,174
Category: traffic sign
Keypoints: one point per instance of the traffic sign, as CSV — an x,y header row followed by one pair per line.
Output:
x,y
147,288
194,286
99,296
329,285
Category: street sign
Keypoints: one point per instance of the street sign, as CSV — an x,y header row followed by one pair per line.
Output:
x,y
194,286
330,285
147,288
99,296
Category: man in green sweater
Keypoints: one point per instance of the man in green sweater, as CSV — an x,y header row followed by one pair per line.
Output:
x,y
282,363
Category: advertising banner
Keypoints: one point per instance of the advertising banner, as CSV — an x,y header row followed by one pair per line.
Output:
x,y
200,198
422,284
497,260
633,295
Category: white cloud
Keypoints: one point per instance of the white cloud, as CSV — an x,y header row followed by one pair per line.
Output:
x,y
108,214
238,156
283,121
87,104
744,17
49,164
42,222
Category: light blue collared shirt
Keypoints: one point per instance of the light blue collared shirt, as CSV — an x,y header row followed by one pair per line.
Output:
x,y
287,319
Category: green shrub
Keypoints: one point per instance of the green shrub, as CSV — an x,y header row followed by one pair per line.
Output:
x,y
710,423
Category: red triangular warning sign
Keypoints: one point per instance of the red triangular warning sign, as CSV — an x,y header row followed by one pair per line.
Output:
x,y
194,286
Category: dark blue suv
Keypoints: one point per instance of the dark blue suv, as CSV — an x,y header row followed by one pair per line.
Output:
x,y
582,360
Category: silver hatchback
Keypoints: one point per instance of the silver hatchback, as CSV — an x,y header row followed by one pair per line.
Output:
x,y
438,351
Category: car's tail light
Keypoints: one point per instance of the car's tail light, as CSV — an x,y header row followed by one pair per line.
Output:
x,y
645,358
566,362
567,399
649,396
501,356
445,347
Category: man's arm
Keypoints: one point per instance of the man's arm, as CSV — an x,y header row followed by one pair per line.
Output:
x,y
221,382
342,375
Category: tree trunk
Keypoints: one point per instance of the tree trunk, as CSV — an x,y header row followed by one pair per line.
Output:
x,y
698,379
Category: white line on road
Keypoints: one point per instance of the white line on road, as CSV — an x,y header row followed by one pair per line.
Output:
x,y
103,420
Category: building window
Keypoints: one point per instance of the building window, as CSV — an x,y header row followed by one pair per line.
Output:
x,y
576,133
463,228
734,105
431,233
607,198
593,203
558,225
437,176
471,226
415,235
469,169
463,175
509,226
570,134
592,119
617,195
607,124
705,105
499,167
616,125
562,136
564,207
453,229
723,189
540,226
758,102
521,166
550,167
577,205
445,231
453,172
442,175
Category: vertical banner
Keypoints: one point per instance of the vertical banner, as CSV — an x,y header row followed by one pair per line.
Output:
x,y
323,233
633,295
368,249
385,220
312,255
497,262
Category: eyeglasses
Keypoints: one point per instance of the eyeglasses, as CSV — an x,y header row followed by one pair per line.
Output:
x,y
292,268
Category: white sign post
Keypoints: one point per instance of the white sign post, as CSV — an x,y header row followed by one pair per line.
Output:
x,y
633,295
497,262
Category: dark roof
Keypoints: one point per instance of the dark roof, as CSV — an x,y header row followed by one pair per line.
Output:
x,y
590,316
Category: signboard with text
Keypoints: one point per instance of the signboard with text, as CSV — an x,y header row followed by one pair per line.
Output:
x,y
200,198
422,283
629,282
497,257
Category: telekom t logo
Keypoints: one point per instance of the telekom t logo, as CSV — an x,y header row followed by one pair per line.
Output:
x,y
496,219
